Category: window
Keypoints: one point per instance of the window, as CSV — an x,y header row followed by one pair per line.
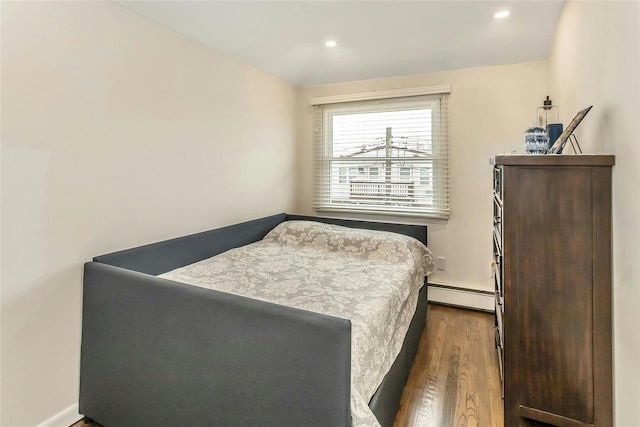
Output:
x,y
405,173
373,172
342,175
425,176
395,151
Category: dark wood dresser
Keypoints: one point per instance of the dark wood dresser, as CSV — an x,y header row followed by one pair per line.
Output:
x,y
552,258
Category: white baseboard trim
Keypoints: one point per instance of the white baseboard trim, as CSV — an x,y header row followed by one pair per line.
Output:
x,y
64,418
467,298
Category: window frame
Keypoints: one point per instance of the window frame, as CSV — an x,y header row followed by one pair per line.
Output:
x,y
439,161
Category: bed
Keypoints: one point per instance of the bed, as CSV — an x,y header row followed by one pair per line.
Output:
x,y
174,336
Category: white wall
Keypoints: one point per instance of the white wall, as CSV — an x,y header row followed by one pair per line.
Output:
x,y
595,60
115,132
489,109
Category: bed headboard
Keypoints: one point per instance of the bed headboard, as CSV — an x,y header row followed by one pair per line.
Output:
x,y
158,258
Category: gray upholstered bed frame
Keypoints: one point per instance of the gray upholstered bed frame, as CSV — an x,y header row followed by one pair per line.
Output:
x,y
161,353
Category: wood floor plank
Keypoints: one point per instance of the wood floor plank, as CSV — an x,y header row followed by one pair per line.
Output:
x,y
467,411
423,385
450,397
430,392
481,359
493,378
455,378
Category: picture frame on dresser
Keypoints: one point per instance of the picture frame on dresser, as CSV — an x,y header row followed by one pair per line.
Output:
x,y
557,147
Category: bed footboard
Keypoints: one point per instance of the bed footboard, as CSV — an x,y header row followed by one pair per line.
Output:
x,y
157,352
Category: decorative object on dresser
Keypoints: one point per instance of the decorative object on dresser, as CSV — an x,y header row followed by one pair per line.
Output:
x,y
557,146
541,135
552,250
549,118
536,140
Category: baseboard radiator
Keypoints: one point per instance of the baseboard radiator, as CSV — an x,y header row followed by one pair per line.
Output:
x,y
466,298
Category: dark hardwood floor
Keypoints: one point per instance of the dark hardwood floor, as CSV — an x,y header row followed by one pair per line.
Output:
x,y
455,380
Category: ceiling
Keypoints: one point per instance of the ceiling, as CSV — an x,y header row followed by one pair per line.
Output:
x,y
375,39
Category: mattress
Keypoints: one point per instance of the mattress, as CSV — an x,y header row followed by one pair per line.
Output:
x,y
370,277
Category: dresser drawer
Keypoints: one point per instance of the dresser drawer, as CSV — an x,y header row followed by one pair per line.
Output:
x,y
497,242
497,214
500,351
499,321
497,182
497,274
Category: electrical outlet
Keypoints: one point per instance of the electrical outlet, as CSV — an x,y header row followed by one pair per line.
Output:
x,y
441,263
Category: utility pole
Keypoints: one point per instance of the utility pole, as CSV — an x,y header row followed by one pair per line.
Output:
x,y
387,171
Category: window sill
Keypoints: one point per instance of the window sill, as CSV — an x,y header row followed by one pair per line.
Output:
x,y
379,215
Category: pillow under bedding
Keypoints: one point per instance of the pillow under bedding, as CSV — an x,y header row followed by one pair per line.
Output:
x,y
368,244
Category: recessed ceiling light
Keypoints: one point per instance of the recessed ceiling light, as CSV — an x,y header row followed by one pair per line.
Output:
x,y
331,43
501,14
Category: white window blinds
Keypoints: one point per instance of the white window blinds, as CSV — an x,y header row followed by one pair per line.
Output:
x,y
383,156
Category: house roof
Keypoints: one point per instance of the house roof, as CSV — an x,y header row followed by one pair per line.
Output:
x,y
366,150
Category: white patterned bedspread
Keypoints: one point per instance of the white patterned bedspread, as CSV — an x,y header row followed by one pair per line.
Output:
x,y
370,277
